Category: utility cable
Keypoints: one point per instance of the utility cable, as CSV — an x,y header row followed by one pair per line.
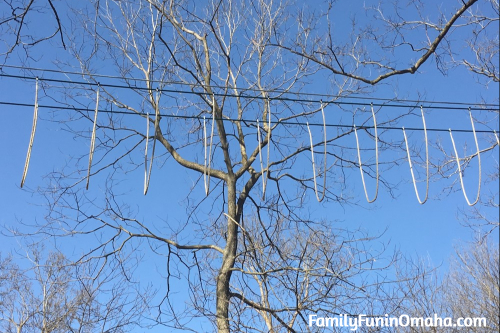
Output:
x,y
278,91
248,121
486,107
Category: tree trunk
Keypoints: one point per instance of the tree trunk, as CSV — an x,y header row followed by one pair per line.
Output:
x,y
228,260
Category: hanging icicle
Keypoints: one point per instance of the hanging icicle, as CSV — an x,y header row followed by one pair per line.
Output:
x,y
92,140
208,157
156,124
32,137
460,168
376,158
260,158
426,161
324,158
266,170
146,178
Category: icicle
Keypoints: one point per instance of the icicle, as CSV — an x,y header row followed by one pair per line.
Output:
x,y
206,172
32,137
260,158
157,121
376,159
426,161
146,176
324,158
264,178
460,168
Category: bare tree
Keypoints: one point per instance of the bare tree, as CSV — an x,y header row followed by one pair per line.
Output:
x,y
483,218
483,44
54,295
469,290
19,30
352,58
472,288
250,259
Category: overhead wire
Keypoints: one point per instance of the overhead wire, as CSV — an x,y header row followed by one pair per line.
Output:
x,y
208,157
279,91
244,120
265,171
484,107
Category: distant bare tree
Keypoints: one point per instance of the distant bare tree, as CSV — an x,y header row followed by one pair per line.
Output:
x,y
472,288
483,218
54,295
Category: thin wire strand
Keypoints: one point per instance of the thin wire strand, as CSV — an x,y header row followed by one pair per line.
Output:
x,y
206,171
376,159
146,179
276,122
278,91
32,137
384,102
426,162
496,136
92,140
460,168
324,159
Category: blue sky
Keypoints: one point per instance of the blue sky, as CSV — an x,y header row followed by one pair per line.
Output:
x,y
430,231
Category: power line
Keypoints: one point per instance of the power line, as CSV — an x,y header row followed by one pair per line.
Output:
x,y
58,71
429,105
246,121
